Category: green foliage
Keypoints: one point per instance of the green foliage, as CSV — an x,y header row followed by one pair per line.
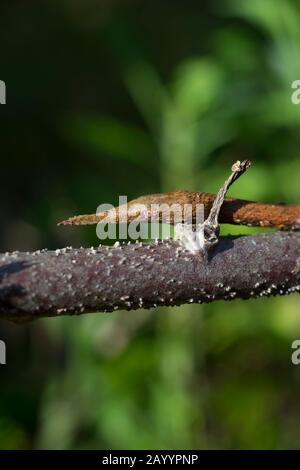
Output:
x,y
108,120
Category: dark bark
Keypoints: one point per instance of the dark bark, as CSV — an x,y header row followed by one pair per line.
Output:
x,y
72,281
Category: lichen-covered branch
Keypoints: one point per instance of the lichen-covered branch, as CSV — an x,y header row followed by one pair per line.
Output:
x,y
72,281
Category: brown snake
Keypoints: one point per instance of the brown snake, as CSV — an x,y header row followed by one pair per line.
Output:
x,y
233,211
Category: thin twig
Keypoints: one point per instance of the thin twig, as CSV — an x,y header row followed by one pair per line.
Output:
x,y
237,170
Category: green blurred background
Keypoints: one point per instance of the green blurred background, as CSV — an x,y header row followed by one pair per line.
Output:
x,y
129,97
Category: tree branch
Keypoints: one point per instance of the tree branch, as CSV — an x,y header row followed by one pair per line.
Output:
x,y
72,281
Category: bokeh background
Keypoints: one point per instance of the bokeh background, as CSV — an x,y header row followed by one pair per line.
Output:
x,y
129,97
